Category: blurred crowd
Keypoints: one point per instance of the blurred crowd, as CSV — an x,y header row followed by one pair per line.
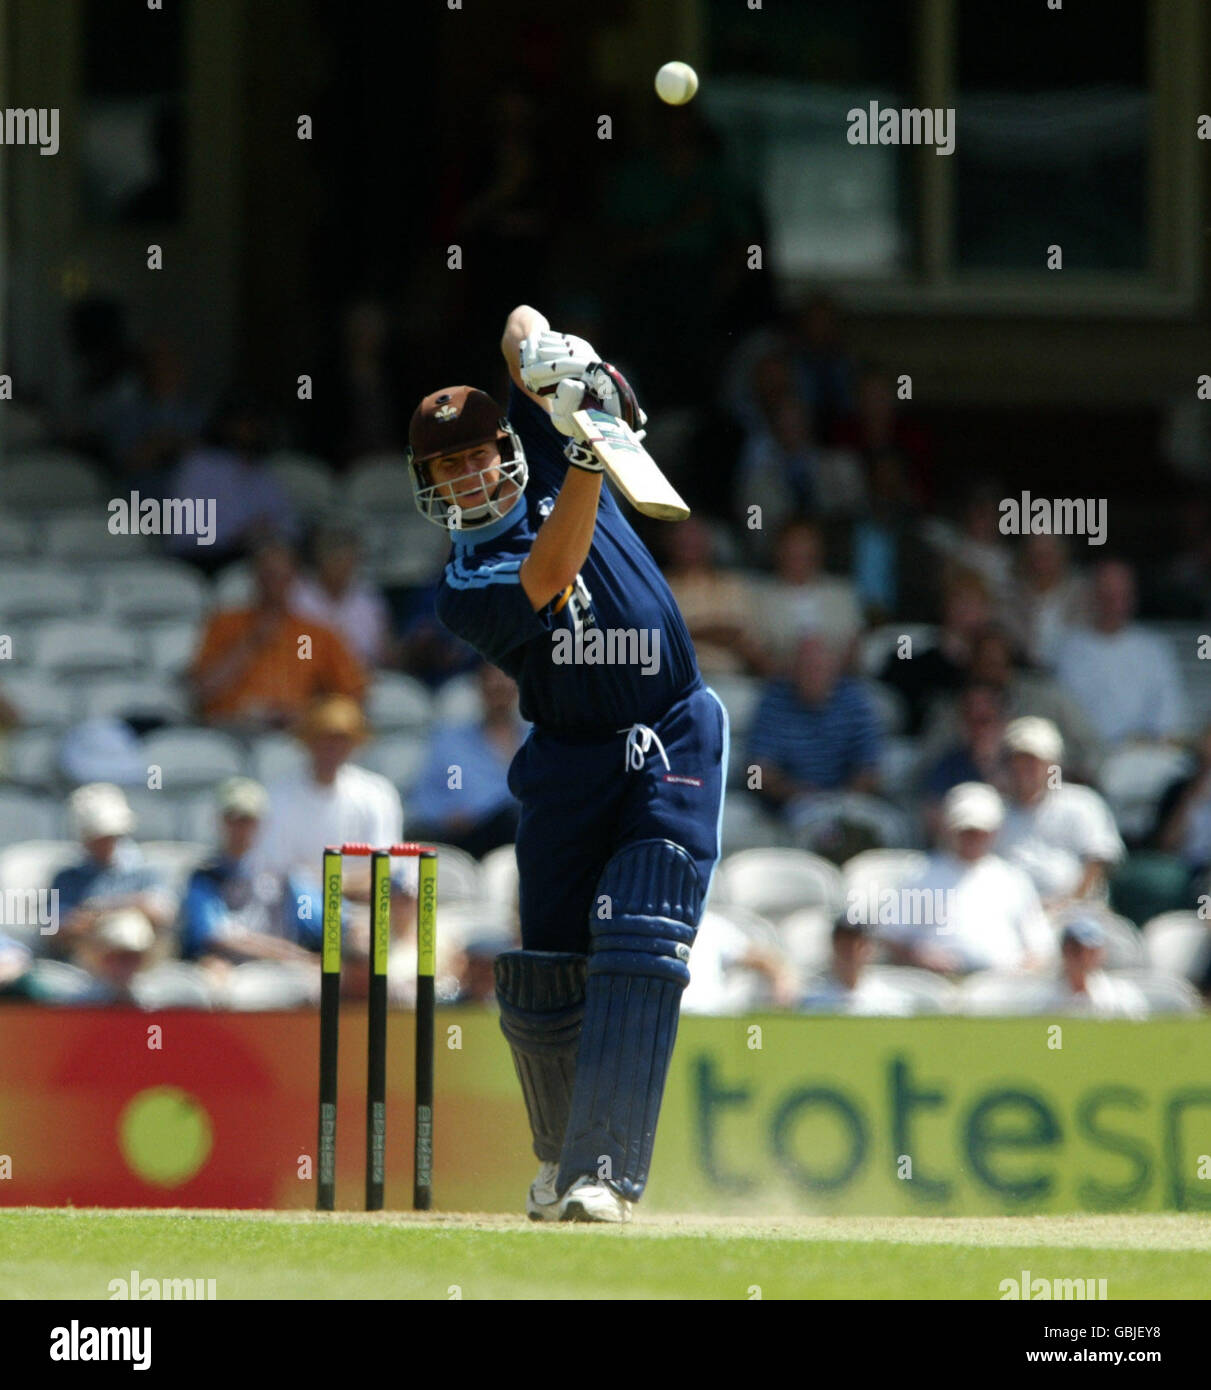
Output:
x,y
989,713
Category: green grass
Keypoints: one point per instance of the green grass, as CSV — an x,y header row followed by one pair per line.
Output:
x,y
74,1254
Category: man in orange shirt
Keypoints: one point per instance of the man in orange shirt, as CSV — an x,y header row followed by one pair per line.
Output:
x,y
260,666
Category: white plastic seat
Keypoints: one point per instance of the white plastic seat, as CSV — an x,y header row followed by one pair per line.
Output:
x,y
191,758
275,756
1133,779
31,757
993,992
747,824
500,878
120,697
27,816
27,864
42,591
157,814
234,586
86,537
458,702
270,984
1164,993
398,758
739,696
777,882
45,479
806,937
1177,943
930,993
44,701
378,483
876,871
396,702
170,646
306,480
404,548
77,644
458,877
153,589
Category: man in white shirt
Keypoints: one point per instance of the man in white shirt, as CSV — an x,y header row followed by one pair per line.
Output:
x,y
1063,835
967,909
847,988
1084,987
1125,679
331,802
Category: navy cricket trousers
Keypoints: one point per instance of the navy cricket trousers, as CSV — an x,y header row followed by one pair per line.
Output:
x,y
583,802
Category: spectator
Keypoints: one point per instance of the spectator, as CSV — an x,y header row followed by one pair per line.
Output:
x,y
231,469
1049,598
982,548
341,599
260,666
823,366
1084,986
816,732
719,606
877,429
1183,815
151,428
478,813
113,874
943,667
1123,677
1061,834
784,469
968,909
801,595
847,987
975,754
231,913
114,955
993,662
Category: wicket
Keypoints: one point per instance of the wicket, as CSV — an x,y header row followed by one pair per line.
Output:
x,y
376,1058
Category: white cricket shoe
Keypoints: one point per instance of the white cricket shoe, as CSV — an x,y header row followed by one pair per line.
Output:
x,y
542,1200
589,1200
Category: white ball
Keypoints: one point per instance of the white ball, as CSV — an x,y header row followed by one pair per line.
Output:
x,y
676,83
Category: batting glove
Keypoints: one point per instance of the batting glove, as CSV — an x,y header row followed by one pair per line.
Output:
x,y
566,401
549,358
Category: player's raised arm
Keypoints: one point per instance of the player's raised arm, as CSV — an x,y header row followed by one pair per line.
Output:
x,y
521,324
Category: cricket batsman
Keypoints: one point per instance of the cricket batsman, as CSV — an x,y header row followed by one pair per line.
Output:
x,y
621,779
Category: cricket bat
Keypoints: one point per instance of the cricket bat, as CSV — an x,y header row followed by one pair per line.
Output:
x,y
632,469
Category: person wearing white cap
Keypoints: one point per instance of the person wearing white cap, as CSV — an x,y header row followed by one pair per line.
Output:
x,y
113,873
231,913
967,909
1061,834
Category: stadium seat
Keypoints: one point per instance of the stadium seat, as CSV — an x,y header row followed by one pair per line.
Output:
x,y
79,644
234,585
898,766
175,859
776,882
378,483
739,696
153,589
992,992
878,644
875,871
42,591
806,937
398,758
458,702
191,758
748,825
25,815
1178,943
86,537
174,984
1133,778
307,481
158,814
275,756
170,647
34,863
44,702
135,697
31,758
47,479
269,984
867,819
930,993
889,705
1166,994
404,548
396,702
500,878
